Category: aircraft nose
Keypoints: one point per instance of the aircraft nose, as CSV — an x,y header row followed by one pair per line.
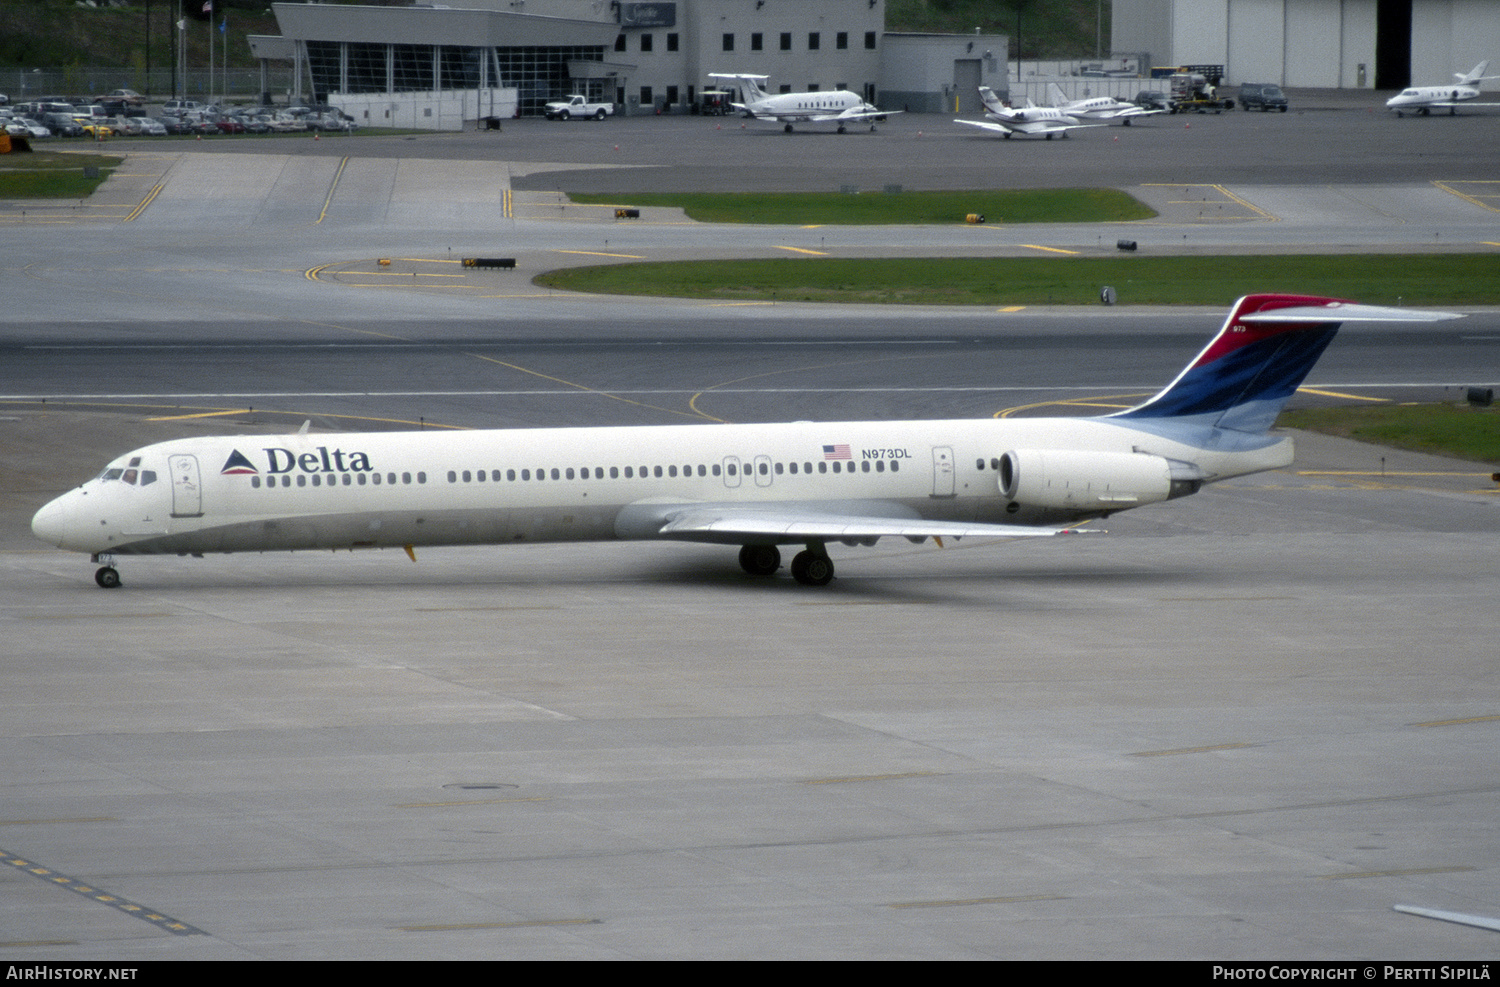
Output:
x,y
51,522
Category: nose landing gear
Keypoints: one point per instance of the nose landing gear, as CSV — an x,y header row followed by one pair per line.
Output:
x,y
108,577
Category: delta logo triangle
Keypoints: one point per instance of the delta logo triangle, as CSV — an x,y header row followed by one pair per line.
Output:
x,y
238,465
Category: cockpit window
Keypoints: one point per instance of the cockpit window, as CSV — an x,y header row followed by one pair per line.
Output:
x,y
113,474
130,475
135,460
148,476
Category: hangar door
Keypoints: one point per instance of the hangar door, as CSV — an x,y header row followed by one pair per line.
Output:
x,y
966,85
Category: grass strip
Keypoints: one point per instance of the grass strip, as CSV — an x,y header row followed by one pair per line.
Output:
x,y
52,175
1445,429
1375,279
1099,205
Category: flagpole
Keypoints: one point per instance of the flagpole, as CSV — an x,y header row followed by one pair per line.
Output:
x,y
210,8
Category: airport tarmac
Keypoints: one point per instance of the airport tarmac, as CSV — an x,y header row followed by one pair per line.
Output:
x,y
1242,725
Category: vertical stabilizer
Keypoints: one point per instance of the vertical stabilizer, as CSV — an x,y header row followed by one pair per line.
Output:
x,y
1269,343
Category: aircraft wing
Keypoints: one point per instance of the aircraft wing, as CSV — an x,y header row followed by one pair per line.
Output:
x,y
857,114
734,523
1029,126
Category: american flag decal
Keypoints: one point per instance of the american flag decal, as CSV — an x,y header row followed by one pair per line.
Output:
x,y
836,452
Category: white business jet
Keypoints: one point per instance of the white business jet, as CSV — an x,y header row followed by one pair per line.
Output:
x,y
1098,107
1424,99
836,106
756,486
1030,119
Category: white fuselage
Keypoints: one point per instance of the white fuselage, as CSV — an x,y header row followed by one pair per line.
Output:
x,y
368,490
1424,97
806,107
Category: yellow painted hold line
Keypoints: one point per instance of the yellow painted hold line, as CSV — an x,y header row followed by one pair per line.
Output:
x,y
801,250
411,553
1050,250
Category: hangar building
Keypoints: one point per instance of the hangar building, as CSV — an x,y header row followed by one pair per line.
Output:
x,y
1343,44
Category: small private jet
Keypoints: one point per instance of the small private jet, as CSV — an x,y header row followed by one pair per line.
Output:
x,y
758,486
836,106
1029,120
1098,107
1422,100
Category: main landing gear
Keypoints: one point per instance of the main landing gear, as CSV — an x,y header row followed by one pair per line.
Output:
x,y
811,567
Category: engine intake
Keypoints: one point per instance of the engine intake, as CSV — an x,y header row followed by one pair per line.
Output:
x,y
1088,481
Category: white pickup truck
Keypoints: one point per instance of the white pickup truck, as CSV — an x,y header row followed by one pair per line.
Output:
x,y
578,106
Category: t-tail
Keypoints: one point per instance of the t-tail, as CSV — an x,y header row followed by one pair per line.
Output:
x,y
749,85
1246,374
1476,75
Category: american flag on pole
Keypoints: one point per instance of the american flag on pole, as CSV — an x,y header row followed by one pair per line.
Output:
x,y
208,8
836,452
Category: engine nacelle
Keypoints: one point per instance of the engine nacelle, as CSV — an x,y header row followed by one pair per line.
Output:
x,y
1087,481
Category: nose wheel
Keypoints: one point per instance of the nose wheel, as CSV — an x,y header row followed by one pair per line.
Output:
x,y
108,577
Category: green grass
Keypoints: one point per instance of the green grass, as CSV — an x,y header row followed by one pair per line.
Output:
x,y
52,174
1444,429
877,207
1377,279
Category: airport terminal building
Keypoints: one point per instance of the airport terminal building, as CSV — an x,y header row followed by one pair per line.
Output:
x,y
420,64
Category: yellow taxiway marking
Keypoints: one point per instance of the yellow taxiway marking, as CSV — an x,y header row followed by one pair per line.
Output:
x,y
600,253
1475,199
1011,308
1190,750
804,250
1338,394
401,274
328,200
146,201
852,779
1394,873
201,414
1217,188
1050,250
1454,723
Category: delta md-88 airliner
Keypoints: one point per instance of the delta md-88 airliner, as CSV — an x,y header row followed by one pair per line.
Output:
x,y
757,486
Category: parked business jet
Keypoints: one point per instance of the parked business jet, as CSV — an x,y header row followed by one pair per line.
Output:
x,y
1424,99
1097,107
837,106
1029,119
756,486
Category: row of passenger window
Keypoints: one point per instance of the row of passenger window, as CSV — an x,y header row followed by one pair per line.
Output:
x,y
669,471
349,479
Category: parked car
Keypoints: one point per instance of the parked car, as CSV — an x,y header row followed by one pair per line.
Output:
x,y
151,127
62,124
38,130
128,96
1262,96
177,107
